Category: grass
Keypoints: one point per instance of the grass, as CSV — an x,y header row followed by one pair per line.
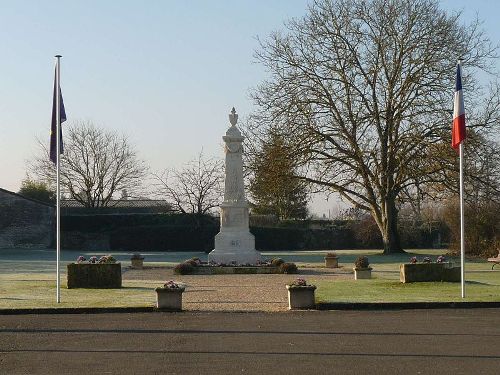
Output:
x,y
381,290
29,283
39,291
482,284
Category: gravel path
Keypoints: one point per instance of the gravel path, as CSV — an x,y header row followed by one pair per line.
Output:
x,y
236,292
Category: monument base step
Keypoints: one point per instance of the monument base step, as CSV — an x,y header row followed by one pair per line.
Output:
x,y
229,270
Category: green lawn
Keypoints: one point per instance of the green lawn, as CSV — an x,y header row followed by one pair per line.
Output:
x,y
482,283
39,291
29,283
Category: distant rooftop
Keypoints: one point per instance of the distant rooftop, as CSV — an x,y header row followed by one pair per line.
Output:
x,y
123,203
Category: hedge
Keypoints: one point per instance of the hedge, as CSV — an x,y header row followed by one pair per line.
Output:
x,y
177,232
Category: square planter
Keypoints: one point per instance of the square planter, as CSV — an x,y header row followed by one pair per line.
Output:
x,y
362,273
423,272
137,263
331,262
169,298
301,297
94,275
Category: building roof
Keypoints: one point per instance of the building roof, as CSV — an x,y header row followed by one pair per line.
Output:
x,y
23,197
123,203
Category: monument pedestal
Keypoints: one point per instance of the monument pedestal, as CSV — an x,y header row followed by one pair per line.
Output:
x,y
234,243
234,247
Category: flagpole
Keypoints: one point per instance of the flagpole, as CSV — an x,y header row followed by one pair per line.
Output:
x,y
58,191
462,226
462,221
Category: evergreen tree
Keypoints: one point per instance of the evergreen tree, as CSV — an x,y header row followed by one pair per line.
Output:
x,y
37,190
274,187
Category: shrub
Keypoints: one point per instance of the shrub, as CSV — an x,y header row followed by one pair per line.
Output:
x,y
481,230
288,268
366,232
361,262
183,268
195,261
191,262
107,259
276,262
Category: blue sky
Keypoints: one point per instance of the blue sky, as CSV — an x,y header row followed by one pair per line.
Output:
x,y
166,73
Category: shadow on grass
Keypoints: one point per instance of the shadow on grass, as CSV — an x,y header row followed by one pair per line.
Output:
x,y
478,283
315,272
137,288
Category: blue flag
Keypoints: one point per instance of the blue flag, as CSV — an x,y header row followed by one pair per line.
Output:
x,y
53,127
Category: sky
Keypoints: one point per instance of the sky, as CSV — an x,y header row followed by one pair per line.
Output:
x,y
165,73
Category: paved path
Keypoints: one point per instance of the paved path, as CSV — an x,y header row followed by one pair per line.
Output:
x,y
313,342
264,292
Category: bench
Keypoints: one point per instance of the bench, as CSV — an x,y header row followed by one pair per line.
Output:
x,y
495,261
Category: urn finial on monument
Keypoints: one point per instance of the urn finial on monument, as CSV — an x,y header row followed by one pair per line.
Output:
x,y
233,132
234,242
233,117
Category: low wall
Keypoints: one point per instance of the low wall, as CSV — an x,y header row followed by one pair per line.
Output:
x,y
25,223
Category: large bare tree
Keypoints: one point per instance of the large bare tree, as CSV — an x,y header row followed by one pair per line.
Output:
x,y
96,165
195,188
363,91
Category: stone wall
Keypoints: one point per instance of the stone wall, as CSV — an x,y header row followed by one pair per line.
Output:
x,y
25,223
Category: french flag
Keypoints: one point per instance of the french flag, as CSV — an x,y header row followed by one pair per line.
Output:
x,y
458,129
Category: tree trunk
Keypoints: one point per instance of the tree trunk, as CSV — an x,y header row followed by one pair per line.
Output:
x,y
389,229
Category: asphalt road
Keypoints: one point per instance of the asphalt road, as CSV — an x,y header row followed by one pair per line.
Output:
x,y
444,341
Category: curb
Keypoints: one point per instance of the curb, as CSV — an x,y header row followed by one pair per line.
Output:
x,y
406,305
319,306
78,310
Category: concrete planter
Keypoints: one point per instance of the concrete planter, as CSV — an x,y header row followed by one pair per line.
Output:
x,y
137,263
94,275
169,298
331,262
362,273
301,297
422,272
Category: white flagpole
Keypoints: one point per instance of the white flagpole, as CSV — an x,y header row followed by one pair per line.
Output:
x,y
58,191
462,226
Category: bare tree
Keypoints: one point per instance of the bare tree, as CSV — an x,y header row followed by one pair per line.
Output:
x,y
196,188
363,89
95,165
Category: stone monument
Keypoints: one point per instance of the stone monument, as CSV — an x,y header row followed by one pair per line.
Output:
x,y
234,243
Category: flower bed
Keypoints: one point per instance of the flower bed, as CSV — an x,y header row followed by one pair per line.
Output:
x,y
225,270
196,267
